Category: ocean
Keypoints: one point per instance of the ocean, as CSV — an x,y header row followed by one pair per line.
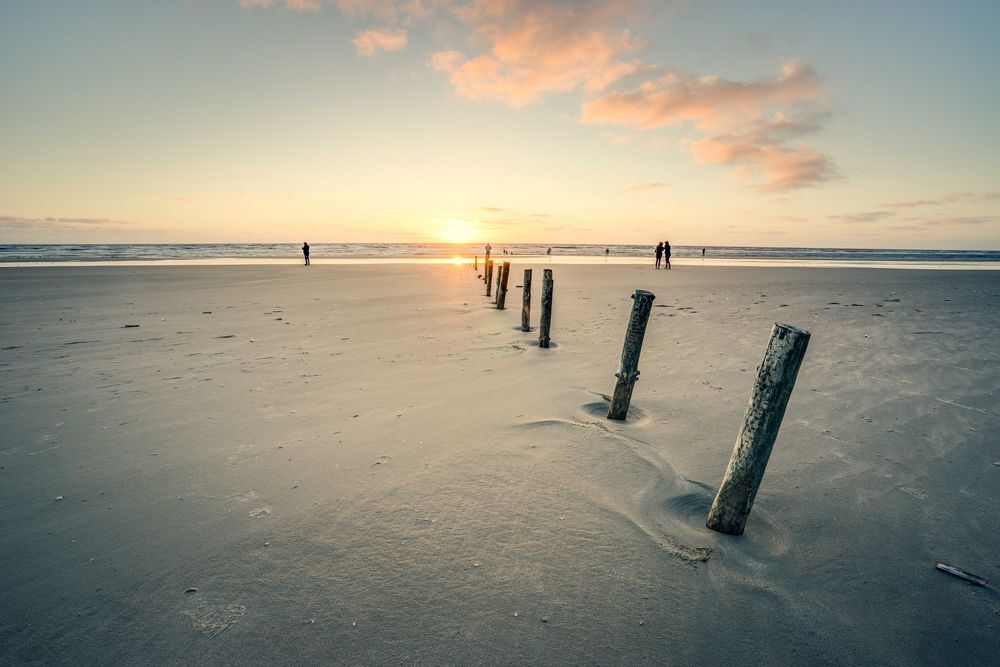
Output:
x,y
21,254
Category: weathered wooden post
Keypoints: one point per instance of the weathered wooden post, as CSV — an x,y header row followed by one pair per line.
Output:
x,y
486,263
489,276
628,371
545,323
526,302
475,262
496,297
775,381
502,290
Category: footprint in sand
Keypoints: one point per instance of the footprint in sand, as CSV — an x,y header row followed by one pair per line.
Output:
x,y
212,619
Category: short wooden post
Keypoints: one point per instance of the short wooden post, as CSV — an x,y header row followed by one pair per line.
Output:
x,y
502,290
545,323
526,302
475,262
489,276
496,297
775,381
628,371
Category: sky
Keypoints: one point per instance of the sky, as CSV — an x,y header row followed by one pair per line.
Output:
x,y
847,124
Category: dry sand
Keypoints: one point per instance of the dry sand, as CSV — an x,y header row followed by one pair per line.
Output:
x,y
371,465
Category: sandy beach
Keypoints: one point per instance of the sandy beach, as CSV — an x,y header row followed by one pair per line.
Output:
x,y
370,464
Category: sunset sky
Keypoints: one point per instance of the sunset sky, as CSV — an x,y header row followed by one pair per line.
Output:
x,y
849,124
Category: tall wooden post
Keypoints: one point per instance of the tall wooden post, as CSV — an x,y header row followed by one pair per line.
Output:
x,y
489,276
545,323
502,289
496,297
775,381
486,264
628,371
526,302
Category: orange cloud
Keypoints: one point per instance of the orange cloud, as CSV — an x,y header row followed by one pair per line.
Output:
x,y
294,5
370,42
763,148
530,49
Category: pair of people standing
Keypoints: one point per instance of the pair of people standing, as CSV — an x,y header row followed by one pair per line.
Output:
x,y
663,254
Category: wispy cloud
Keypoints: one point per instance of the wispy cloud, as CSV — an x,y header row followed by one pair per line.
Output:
x,y
370,42
866,216
960,221
643,187
294,5
18,222
950,198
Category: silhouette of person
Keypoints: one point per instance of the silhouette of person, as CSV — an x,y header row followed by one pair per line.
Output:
x,y
305,251
606,252
489,248
702,252
666,253
549,251
659,253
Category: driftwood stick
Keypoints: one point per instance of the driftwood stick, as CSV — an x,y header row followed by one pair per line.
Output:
x,y
502,289
545,323
526,302
775,381
489,276
628,371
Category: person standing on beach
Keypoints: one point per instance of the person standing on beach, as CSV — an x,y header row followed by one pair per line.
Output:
x,y
305,251
666,253
549,251
489,248
659,253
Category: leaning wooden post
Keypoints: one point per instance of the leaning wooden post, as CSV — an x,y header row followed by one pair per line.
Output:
x,y
545,323
496,297
775,381
502,290
489,276
526,302
628,371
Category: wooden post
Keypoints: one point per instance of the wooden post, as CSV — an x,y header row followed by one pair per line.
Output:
x,y
526,302
628,371
475,262
545,323
775,381
502,290
496,297
486,264
489,276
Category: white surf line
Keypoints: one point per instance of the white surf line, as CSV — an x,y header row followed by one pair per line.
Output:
x,y
959,405
42,451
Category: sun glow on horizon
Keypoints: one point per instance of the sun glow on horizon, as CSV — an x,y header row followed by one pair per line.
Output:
x,y
456,231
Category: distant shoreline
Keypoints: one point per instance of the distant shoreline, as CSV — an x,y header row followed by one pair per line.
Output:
x,y
678,262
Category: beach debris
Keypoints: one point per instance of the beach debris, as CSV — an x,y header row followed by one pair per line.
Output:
x,y
58,498
515,614
251,340
545,619
962,574
191,590
227,336
206,312
131,326
996,463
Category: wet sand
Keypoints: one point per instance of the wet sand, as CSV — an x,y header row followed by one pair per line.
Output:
x,y
353,464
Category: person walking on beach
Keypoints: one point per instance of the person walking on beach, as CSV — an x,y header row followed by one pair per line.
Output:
x,y
666,253
659,253
549,251
305,251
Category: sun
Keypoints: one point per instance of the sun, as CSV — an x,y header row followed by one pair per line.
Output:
x,y
456,231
